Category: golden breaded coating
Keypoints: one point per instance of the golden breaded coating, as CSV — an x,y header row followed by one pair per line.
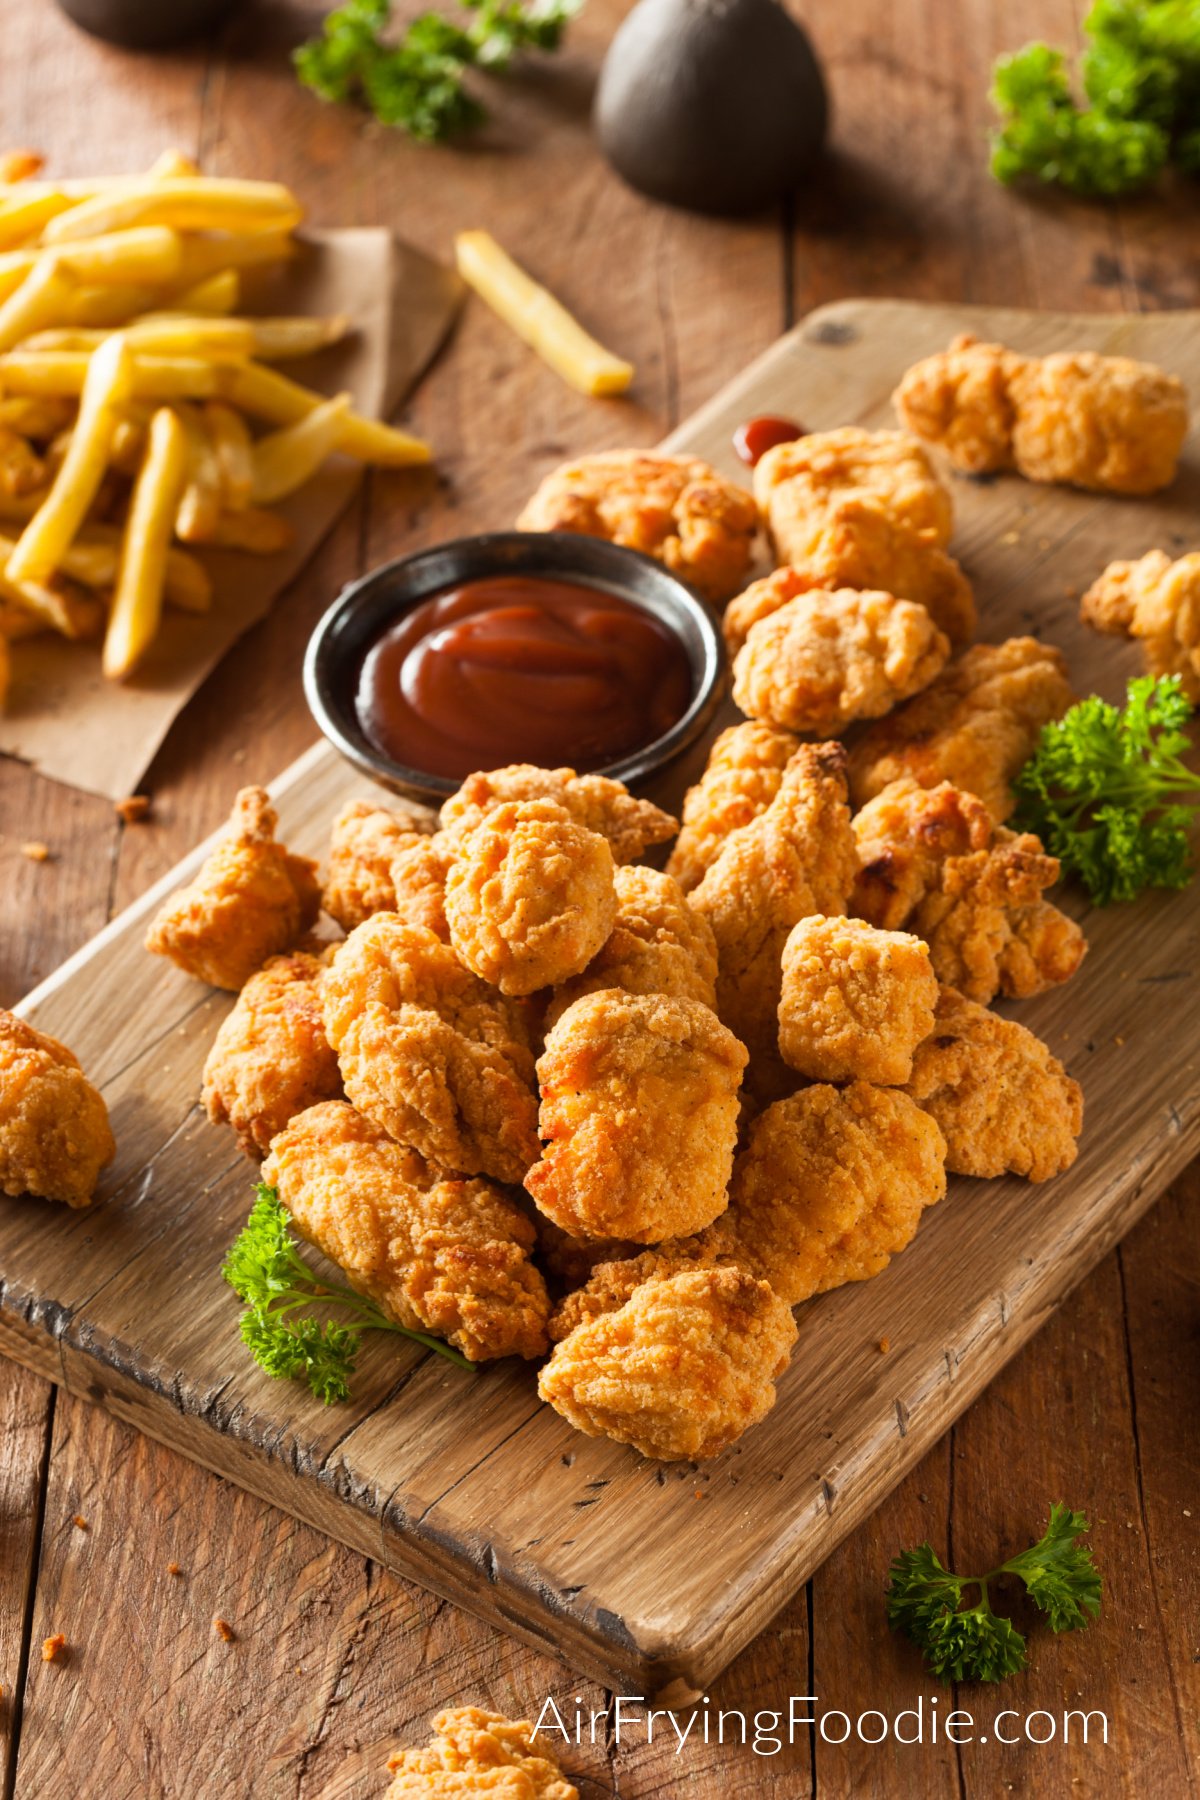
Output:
x,y
54,1132
976,725
614,1274
681,1370
630,825
476,1752
438,1253
418,879
832,1185
271,1059
365,841
741,778
1157,602
903,837
1100,422
674,508
825,659
795,858
638,1117
1002,1101
530,899
429,1052
658,945
856,1001
797,483
250,900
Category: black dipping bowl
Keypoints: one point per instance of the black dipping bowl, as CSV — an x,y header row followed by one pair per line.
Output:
x,y
367,607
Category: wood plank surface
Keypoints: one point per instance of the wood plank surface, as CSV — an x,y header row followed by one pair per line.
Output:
x,y
905,206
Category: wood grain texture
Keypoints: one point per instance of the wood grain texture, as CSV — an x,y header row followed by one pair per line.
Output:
x,y
474,1487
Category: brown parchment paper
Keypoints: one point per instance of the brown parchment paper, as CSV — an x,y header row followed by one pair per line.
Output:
x,y
62,716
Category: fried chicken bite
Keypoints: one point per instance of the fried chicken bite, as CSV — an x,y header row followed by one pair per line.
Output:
x,y
638,1117
674,508
271,1059
630,825
855,1002
745,767
1002,1101
1100,422
54,1132
429,1052
438,1252
976,725
418,878
795,858
825,659
365,841
658,945
1157,602
832,1185
680,1370
251,900
530,898
903,837
476,1752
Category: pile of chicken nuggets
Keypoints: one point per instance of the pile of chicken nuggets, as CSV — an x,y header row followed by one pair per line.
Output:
x,y
545,1098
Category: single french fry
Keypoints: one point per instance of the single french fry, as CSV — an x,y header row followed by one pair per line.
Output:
x,y
262,533
216,296
536,316
284,460
34,418
111,304
63,373
143,253
173,163
57,605
22,470
219,251
20,165
278,340
234,452
41,300
266,394
49,533
138,596
93,559
185,203
25,216
200,501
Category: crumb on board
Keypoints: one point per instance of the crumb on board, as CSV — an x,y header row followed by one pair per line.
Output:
x,y
1118,1041
225,1631
174,1569
78,1519
54,1649
36,851
885,1345
133,809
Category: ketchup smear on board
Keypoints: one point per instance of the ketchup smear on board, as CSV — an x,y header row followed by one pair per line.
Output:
x,y
753,439
521,668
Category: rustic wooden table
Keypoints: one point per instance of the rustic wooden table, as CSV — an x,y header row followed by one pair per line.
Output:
x,y
334,1661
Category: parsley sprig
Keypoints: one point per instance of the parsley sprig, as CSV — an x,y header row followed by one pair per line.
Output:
x,y
416,82
974,1643
1109,794
265,1269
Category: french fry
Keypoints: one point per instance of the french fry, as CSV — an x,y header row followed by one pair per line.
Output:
x,y
128,445
217,295
261,533
111,304
173,163
138,596
186,203
151,253
20,165
57,605
265,394
22,470
24,216
231,442
49,533
213,255
200,502
93,560
63,373
284,460
535,315
279,340
42,299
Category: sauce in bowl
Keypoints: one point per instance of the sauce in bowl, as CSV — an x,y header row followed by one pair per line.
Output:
x,y
521,668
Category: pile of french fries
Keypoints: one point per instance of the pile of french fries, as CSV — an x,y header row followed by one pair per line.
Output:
x,y
140,415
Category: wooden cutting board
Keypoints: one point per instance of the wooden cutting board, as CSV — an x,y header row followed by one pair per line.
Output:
x,y
648,1577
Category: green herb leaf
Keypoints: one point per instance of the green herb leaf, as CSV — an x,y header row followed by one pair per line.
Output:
x,y
1059,1573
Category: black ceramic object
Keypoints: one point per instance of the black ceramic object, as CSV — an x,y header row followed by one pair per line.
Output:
x,y
337,646
148,24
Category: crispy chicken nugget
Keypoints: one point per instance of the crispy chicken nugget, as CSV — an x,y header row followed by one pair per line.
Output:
x,y
674,508
630,825
658,945
429,1052
741,778
530,898
475,1752
903,837
418,879
638,1117
1157,602
1002,1101
795,858
825,659
54,1132
271,1059
856,1001
832,1185
681,1370
616,1271
437,1252
1101,422
250,900
975,725
796,483
365,841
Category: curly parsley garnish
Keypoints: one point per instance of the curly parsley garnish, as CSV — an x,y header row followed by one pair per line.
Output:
x,y
265,1270
416,82
1109,794
924,1601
